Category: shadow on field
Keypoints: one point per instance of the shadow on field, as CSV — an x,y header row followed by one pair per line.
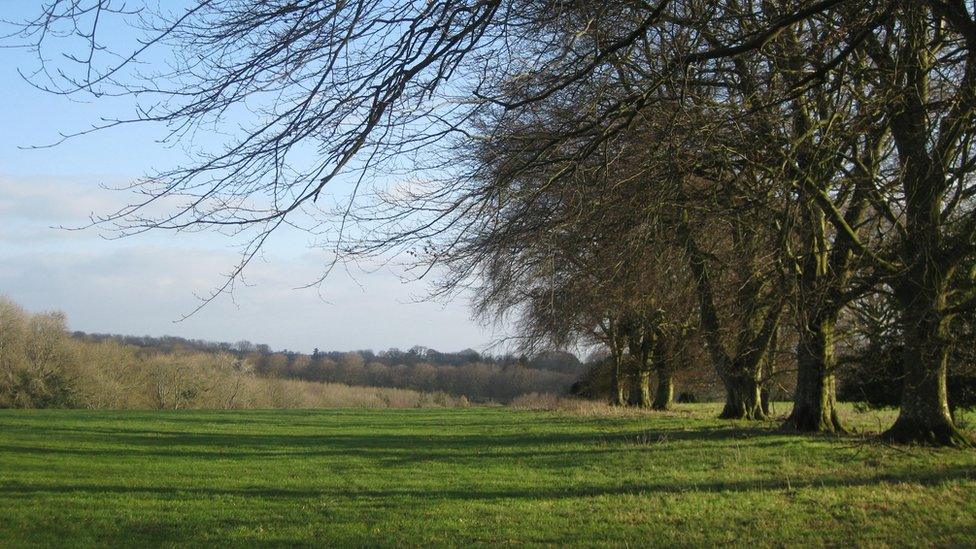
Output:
x,y
366,442
927,478
121,443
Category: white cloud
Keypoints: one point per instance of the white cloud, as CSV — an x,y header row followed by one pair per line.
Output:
x,y
143,290
142,285
57,201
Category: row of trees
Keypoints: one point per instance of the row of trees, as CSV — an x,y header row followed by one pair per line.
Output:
x,y
739,197
43,366
468,373
798,163
556,361
244,347
477,381
732,175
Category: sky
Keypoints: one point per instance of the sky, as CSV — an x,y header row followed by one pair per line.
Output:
x,y
143,285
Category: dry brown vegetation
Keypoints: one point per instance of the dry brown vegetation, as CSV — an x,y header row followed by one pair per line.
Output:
x,y
42,366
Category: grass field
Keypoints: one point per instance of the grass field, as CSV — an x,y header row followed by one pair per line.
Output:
x,y
481,476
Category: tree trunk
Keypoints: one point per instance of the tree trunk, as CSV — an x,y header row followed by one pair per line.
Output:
x,y
633,395
619,384
741,369
921,294
743,399
814,401
924,416
664,395
766,374
644,383
928,259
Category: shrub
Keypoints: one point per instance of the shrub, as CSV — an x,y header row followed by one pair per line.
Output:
x,y
41,366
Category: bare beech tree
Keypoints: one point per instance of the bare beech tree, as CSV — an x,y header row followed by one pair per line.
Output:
x,y
810,145
926,58
815,92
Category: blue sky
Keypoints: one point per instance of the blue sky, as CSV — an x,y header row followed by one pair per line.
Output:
x,y
141,285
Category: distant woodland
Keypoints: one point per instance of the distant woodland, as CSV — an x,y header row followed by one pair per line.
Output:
x,y
44,365
469,373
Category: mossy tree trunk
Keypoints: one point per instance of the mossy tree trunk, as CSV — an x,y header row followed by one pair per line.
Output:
x,y
644,383
664,392
766,374
743,398
932,244
642,334
765,400
740,369
924,416
825,268
814,400
612,336
822,274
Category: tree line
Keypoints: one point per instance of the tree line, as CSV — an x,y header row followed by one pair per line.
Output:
x,y
664,179
42,365
557,361
476,376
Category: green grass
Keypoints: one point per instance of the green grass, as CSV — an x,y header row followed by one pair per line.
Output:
x,y
482,476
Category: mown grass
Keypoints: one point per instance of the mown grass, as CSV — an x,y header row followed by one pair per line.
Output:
x,y
481,476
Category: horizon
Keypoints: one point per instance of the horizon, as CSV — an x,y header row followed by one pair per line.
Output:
x,y
487,354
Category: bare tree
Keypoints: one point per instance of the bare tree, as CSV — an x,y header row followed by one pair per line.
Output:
x,y
369,84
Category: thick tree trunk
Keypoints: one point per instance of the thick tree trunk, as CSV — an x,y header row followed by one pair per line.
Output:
x,y
619,392
644,384
765,400
924,416
664,395
740,370
814,401
633,394
921,293
927,258
743,399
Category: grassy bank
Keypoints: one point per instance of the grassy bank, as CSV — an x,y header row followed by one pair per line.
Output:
x,y
465,476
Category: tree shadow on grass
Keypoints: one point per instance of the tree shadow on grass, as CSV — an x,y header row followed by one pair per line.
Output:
x,y
472,493
563,449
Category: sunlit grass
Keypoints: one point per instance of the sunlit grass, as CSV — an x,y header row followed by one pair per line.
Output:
x,y
467,476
